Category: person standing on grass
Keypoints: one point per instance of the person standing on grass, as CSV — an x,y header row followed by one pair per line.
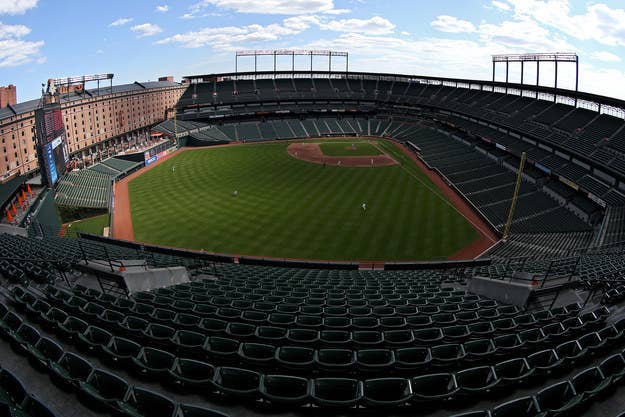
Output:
x,y
363,206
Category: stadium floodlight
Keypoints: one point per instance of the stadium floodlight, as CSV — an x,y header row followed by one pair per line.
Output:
x,y
82,79
292,53
554,57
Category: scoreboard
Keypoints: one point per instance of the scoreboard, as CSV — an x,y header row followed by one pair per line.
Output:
x,y
51,142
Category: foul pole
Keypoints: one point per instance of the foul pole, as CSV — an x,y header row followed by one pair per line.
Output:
x,y
515,196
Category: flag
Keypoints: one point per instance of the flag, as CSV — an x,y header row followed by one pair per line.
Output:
x,y
28,188
9,216
13,207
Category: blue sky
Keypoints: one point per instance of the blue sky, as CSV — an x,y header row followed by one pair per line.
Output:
x,y
143,39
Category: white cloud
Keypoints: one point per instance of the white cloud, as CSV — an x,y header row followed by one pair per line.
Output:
x,y
121,21
15,51
286,7
599,23
162,9
16,6
524,35
452,24
501,5
605,56
146,29
13,31
375,26
229,36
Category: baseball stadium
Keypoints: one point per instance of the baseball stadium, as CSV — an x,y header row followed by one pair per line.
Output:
x,y
305,242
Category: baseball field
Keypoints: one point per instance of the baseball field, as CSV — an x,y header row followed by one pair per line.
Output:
x,y
268,200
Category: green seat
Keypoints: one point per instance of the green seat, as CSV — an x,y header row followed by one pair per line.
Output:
x,y
505,325
476,413
428,336
257,354
336,392
609,335
186,410
335,338
189,344
545,362
613,367
240,331
295,358
71,369
34,310
94,339
386,392
415,359
212,326
187,322
482,329
111,319
375,360
189,374
45,351
221,349
141,402
434,388
456,334
158,335
592,343
104,389
90,312
120,351
335,360
26,337
532,339
9,325
570,352
285,390
514,371
153,363
72,327
124,305
237,382
12,391
559,399
476,382
164,316
74,304
143,310
508,344
303,337
270,334
590,383
447,356
479,350
519,407
53,318
398,338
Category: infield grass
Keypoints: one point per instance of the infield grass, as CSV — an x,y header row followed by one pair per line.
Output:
x,y
286,207
346,149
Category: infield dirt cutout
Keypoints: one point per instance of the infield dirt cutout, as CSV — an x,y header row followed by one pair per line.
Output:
x,y
311,152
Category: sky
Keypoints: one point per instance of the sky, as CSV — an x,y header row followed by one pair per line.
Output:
x,y
140,40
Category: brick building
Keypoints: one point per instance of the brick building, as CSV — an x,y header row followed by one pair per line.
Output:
x,y
101,121
8,96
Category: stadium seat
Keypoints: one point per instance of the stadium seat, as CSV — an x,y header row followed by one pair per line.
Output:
x,y
9,325
140,402
237,382
120,351
187,410
44,352
93,339
570,352
158,335
374,360
304,337
153,363
558,399
336,392
386,392
285,390
514,371
428,336
476,382
212,326
434,388
70,370
519,407
11,389
25,338
335,338
545,362
105,389
189,344
133,327
481,329
221,349
51,319
446,356
270,334
335,360
590,383
189,374
479,350
416,359
32,407
295,358
613,367
257,354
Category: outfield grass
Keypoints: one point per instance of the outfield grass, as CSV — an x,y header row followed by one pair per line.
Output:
x,y
345,149
94,225
290,208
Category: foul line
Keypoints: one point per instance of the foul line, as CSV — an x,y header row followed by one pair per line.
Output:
x,y
439,194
